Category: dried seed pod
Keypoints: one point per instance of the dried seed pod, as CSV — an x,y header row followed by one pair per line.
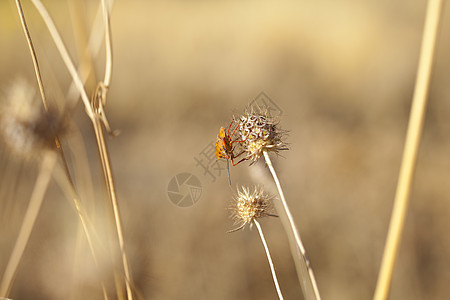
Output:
x,y
248,206
260,134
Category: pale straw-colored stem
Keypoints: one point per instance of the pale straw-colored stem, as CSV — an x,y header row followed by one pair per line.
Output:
x,y
33,53
100,134
65,55
409,159
34,206
269,258
302,264
66,181
92,50
97,118
104,156
58,144
108,44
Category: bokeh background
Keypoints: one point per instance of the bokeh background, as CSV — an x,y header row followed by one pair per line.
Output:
x,y
343,75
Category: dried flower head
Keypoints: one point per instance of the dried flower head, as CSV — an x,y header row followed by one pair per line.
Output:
x,y
260,132
24,126
249,206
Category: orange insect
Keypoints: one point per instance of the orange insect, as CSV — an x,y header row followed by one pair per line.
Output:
x,y
224,147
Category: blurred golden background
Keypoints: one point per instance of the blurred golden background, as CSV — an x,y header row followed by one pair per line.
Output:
x,y
343,75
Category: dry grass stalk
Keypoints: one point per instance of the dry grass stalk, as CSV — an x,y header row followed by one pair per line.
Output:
x,y
302,263
75,198
37,196
88,53
259,135
95,112
269,258
65,56
409,159
246,209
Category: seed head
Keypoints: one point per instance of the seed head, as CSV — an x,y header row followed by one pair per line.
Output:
x,y
24,126
250,206
260,132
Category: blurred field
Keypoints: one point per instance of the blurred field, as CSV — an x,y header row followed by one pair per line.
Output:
x,y
343,74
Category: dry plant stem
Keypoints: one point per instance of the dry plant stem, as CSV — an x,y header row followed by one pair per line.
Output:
x,y
409,159
108,44
86,65
37,196
58,144
269,258
38,73
92,49
112,194
100,134
65,55
303,266
96,120
38,76
33,53
82,215
77,10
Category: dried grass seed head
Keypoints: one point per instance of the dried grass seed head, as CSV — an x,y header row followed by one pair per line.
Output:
x,y
248,206
260,132
24,126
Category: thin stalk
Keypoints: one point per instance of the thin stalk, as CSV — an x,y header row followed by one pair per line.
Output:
x,y
33,53
102,146
104,156
97,117
108,45
410,151
34,206
269,258
302,263
57,141
78,11
92,49
65,55
82,215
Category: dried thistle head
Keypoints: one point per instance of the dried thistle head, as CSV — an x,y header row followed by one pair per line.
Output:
x,y
260,132
24,126
248,206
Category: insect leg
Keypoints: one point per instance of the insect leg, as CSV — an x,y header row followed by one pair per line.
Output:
x,y
228,169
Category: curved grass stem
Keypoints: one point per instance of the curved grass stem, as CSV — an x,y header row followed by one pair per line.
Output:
x,y
303,266
91,51
409,159
64,55
269,258
57,141
94,110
